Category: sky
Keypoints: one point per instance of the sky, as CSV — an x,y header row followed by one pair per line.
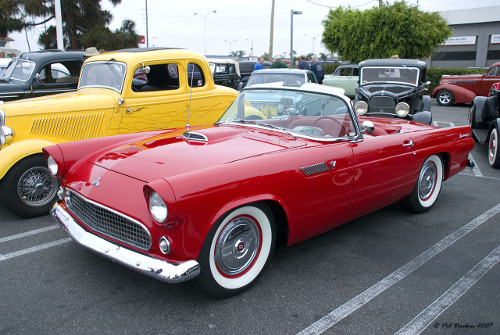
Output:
x,y
236,24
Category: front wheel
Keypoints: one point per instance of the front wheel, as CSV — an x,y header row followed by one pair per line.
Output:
x,y
445,98
29,189
428,186
493,156
236,250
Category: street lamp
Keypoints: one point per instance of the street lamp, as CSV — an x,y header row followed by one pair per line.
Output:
x,y
251,49
205,29
292,13
313,38
230,42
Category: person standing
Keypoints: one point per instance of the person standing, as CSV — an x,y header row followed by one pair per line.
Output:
x,y
303,65
259,65
278,63
317,68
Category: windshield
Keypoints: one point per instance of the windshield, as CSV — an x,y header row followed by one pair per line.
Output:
x,y
20,69
288,79
406,75
109,74
311,115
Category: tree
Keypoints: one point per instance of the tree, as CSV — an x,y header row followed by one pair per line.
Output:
x,y
238,53
84,23
396,29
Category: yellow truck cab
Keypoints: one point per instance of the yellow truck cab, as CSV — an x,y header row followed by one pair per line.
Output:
x,y
120,92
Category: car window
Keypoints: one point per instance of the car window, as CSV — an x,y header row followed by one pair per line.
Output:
x,y
109,74
195,76
494,71
355,71
157,77
305,114
20,69
408,75
288,79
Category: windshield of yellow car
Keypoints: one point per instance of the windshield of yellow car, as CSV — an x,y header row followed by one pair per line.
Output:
x,y
390,74
317,116
20,69
105,74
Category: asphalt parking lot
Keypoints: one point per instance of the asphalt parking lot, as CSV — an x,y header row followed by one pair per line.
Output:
x,y
390,272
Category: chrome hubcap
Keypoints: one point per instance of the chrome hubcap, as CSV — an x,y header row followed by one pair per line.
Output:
x,y
427,180
445,97
237,246
36,187
493,146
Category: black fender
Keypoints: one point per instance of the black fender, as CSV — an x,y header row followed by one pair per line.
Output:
x,y
423,117
482,112
426,103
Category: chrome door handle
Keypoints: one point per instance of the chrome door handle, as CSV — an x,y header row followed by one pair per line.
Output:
x,y
408,144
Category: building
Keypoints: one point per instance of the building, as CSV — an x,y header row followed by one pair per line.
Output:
x,y
475,41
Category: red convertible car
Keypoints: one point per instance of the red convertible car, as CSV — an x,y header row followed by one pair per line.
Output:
x,y
282,164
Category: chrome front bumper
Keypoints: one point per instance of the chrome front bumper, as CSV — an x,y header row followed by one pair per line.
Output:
x,y
153,267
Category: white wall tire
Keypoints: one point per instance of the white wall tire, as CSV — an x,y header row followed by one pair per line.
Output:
x,y
426,191
493,154
236,250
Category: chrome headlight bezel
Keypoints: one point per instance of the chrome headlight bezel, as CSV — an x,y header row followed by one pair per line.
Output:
x,y
402,109
157,207
361,107
52,166
2,124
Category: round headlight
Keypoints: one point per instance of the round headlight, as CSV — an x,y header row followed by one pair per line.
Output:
x,y
361,108
52,165
402,109
157,207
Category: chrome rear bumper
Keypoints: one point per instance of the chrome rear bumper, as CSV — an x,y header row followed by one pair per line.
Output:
x,y
153,267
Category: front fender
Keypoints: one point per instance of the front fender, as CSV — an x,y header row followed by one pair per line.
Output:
x,y
461,95
13,153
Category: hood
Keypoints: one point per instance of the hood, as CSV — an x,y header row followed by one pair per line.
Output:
x,y
75,101
446,79
8,86
170,153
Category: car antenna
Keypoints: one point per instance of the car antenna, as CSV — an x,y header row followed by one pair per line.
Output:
x,y
190,93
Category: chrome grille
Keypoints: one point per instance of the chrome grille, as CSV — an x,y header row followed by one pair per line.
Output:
x,y
314,169
382,105
109,222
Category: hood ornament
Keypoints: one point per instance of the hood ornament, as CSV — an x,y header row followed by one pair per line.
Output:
x,y
96,182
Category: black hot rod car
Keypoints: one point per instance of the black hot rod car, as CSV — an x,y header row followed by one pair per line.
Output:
x,y
393,88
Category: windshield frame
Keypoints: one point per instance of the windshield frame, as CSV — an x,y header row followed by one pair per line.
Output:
x,y
265,124
389,79
13,65
118,78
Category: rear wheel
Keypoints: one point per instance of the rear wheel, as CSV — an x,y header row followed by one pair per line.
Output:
x,y
236,250
428,186
493,155
29,189
445,98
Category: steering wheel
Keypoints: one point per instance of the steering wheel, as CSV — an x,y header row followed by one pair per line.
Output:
x,y
342,131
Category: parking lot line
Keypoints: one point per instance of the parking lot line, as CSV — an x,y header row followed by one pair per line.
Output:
x,y
363,298
28,233
427,316
34,249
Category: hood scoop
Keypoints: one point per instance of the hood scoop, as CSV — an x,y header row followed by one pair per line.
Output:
x,y
193,136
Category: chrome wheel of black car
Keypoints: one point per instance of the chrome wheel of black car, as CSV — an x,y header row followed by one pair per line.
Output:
x,y
428,186
236,250
29,189
445,98
493,156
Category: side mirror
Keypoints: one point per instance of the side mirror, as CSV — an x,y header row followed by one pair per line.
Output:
x,y
368,126
427,83
145,68
37,77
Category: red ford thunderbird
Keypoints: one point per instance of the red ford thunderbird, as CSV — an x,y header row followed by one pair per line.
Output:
x,y
282,164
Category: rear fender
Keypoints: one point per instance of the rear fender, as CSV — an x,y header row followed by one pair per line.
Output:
x,y
461,95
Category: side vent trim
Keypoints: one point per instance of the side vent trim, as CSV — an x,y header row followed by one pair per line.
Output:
x,y
314,169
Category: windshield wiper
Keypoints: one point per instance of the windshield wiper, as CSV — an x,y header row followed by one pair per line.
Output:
x,y
272,126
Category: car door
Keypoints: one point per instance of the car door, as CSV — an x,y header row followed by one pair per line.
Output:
x,y
383,168
157,100
491,77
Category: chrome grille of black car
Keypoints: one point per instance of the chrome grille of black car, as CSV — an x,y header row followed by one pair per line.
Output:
x,y
381,105
109,222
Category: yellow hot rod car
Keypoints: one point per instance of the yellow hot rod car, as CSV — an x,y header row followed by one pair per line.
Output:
x,y
120,92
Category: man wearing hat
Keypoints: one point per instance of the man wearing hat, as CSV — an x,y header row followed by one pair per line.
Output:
x,y
91,51
278,63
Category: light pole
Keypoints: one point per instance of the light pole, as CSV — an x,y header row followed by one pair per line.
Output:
x,y
205,29
230,42
292,13
251,49
313,38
